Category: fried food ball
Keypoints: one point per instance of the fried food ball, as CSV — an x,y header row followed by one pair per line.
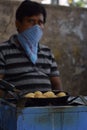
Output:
x,y
38,94
49,94
61,94
29,95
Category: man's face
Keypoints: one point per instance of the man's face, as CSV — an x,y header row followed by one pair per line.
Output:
x,y
29,22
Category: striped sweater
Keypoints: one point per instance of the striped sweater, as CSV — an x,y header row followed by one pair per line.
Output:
x,y
20,71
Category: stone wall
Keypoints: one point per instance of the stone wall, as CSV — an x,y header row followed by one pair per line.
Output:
x,y
65,33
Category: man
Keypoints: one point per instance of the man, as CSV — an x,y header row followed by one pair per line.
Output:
x,y
24,62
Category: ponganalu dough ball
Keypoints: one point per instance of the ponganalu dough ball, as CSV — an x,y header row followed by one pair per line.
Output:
x,y
61,94
38,94
29,95
49,94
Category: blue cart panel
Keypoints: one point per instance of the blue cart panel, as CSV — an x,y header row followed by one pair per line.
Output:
x,y
52,118
8,120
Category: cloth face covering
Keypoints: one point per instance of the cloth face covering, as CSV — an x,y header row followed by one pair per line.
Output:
x,y
29,40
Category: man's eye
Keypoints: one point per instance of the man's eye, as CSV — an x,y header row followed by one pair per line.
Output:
x,y
40,22
31,21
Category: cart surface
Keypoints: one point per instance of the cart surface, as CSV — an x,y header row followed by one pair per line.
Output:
x,y
52,118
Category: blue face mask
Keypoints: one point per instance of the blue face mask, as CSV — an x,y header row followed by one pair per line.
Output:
x,y
29,40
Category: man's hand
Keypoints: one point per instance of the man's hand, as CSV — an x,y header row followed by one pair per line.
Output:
x,y
56,83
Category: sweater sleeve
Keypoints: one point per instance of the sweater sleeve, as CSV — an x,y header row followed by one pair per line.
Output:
x,y
54,66
2,63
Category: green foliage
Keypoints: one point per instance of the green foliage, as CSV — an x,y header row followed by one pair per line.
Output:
x,y
79,3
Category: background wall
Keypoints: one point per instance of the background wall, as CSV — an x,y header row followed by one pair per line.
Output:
x,y
65,33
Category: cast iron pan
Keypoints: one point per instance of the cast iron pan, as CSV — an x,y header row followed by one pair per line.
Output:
x,y
57,101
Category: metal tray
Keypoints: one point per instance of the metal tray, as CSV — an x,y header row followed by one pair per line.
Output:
x,y
47,101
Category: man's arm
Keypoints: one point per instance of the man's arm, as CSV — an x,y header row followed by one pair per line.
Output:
x,y
56,83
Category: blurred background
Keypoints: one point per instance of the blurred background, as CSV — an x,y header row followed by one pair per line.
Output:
x,y
65,33
77,3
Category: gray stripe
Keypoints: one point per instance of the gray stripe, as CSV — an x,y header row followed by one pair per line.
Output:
x,y
33,81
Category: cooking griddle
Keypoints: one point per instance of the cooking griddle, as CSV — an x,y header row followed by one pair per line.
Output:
x,y
47,101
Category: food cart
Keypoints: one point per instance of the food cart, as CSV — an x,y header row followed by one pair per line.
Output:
x,y
52,118
65,113
8,120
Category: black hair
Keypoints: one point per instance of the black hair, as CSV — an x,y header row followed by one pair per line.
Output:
x,y
30,8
